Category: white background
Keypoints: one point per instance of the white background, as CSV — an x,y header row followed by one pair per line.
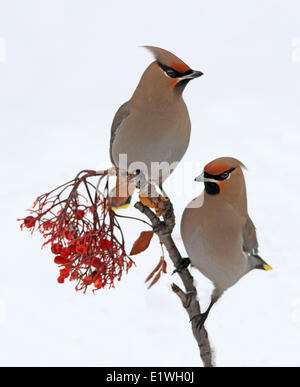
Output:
x,y
69,65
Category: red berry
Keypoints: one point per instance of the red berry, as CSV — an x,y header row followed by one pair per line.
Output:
x,y
60,260
102,268
98,283
87,280
95,262
29,221
60,280
65,252
56,248
64,273
81,249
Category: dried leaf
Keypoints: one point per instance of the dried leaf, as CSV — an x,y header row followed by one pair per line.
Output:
x,y
146,201
142,243
158,203
164,266
157,277
154,271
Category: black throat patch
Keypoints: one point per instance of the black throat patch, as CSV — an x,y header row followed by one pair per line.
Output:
x,y
211,188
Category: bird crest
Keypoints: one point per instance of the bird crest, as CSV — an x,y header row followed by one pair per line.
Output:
x,y
167,58
222,164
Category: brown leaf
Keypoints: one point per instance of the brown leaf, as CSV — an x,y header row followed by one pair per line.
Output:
x,y
142,243
157,277
154,271
146,201
157,202
164,266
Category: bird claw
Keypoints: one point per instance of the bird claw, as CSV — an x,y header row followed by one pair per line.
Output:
x,y
169,209
183,264
200,323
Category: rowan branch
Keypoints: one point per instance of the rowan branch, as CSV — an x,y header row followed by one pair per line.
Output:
x,y
88,243
188,298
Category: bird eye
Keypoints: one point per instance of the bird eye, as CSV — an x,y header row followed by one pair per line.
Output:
x,y
224,175
171,73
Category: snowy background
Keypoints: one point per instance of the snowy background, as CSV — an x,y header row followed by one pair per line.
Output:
x,y
65,68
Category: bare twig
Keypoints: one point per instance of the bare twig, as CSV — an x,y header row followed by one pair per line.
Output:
x,y
188,298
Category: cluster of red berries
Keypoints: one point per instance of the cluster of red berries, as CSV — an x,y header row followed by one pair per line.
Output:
x,y
84,240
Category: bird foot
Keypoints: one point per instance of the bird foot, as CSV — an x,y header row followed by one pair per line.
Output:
x,y
169,210
183,264
201,317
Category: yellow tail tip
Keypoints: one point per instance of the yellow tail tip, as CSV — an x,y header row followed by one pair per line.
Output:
x,y
267,267
118,204
115,208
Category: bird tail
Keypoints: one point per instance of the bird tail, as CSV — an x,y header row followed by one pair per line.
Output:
x,y
120,196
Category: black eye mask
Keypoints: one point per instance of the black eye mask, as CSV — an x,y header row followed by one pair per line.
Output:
x,y
213,188
221,176
172,73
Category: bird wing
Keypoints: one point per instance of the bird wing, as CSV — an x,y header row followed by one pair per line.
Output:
x,y
250,243
122,113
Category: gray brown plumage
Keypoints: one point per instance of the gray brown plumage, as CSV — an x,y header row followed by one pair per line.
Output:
x,y
218,234
154,125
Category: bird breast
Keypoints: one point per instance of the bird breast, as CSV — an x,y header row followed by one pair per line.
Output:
x,y
149,136
213,240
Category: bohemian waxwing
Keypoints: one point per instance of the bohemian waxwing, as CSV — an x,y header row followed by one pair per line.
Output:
x,y
154,125
217,232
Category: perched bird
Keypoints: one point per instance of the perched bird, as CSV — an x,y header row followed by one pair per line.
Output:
x,y
218,234
154,125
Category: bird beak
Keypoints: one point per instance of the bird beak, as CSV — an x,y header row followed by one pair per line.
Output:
x,y
267,267
194,74
204,179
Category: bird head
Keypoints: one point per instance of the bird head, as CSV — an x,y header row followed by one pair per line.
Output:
x,y
177,73
218,173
